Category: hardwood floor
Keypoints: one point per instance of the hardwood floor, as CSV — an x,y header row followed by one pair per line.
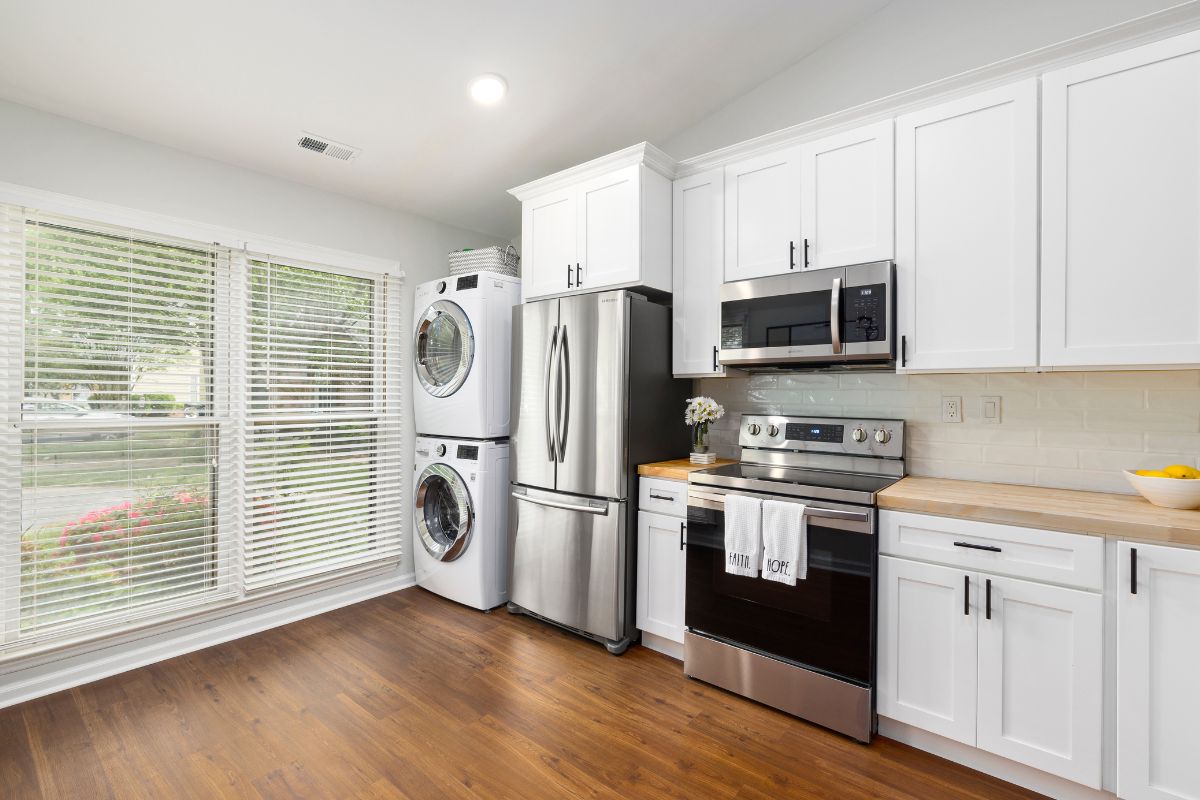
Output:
x,y
411,696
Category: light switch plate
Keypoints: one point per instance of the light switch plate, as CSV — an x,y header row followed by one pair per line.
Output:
x,y
989,409
951,408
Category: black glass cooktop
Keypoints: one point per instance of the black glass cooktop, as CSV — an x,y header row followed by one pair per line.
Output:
x,y
796,481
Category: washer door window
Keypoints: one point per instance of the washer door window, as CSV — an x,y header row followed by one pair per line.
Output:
x,y
445,348
444,514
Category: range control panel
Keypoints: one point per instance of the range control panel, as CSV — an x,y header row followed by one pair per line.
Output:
x,y
879,438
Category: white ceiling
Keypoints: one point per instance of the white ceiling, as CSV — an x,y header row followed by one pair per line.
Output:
x,y
238,80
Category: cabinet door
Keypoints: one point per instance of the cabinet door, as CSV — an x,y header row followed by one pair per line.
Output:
x,y
762,215
1120,205
966,235
549,243
1041,676
847,195
1158,650
609,230
698,256
660,575
928,618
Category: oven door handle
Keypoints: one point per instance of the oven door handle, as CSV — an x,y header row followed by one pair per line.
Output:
x,y
809,511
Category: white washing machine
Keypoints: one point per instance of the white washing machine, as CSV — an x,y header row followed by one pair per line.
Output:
x,y
460,520
462,355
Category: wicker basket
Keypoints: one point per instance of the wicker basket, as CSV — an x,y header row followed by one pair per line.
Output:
x,y
491,259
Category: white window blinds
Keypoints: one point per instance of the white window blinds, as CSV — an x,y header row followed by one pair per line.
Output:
x,y
322,424
184,425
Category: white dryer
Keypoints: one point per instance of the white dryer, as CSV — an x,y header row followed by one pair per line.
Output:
x,y
460,520
462,355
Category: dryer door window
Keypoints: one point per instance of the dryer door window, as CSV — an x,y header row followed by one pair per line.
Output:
x,y
444,514
445,348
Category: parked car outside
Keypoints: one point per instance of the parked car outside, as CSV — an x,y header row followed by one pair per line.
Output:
x,y
47,409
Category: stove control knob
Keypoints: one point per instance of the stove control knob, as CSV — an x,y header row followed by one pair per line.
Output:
x,y
882,436
858,435
772,430
754,429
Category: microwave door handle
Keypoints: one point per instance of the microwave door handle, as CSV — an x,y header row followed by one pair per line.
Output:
x,y
564,410
550,362
835,316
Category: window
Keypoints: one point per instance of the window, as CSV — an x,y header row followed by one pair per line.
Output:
x,y
189,425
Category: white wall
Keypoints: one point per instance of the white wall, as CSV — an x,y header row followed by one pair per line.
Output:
x,y
57,154
906,44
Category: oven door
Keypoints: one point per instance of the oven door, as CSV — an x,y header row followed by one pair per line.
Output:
x,y
825,623
822,316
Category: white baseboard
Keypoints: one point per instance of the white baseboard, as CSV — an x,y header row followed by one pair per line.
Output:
x,y
18,685
663,645
989,763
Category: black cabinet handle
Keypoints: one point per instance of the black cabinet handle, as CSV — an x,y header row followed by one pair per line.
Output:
x,y
578,282
654,496
967,595
988,602
716,366
903,351
806,262
987,547
568,276
792,254
682,526
1133,570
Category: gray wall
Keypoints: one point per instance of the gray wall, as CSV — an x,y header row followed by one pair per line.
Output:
x,y
906,44
57,154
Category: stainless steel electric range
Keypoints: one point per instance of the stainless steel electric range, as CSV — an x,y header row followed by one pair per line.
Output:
x,y
807,649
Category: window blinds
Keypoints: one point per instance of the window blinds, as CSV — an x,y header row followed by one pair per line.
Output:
x,y
185,425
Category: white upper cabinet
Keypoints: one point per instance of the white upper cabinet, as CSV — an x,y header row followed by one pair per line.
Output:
x,y
548,238
1158,650
1121,208
966,232
602,225
698,259
762,216
846,198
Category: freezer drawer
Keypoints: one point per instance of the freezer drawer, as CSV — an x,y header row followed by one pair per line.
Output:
x,y
568,562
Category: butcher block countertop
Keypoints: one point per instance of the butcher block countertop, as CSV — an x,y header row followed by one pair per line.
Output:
x,y
677,469
1124,516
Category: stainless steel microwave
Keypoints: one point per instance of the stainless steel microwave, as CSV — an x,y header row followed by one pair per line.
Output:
x,y
825,317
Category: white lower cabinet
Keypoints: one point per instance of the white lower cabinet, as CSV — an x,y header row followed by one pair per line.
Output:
x,y
1158,672
1011,666
661,564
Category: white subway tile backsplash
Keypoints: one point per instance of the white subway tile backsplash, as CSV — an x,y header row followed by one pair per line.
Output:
x,y
1074,430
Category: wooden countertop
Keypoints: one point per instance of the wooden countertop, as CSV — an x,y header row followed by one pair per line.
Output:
x,y
1123,516
676,469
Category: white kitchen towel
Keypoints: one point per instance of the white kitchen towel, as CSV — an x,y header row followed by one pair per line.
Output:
x,y
743,534
785,542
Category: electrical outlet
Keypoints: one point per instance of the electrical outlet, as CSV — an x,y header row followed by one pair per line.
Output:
x,y
951,409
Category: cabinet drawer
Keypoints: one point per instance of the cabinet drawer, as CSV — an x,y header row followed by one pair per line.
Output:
x,y
1069,559
663,496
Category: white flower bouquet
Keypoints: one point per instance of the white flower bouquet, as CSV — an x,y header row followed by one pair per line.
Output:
x,y
701,412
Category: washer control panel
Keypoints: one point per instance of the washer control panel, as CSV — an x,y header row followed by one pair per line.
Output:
x,y
879,438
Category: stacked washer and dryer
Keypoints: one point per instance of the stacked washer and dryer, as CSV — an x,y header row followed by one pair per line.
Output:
x,y
462,365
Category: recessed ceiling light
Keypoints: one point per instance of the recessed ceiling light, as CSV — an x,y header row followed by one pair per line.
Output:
x,y
488,89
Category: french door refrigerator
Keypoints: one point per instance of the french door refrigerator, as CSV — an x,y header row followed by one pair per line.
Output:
x,y
593,397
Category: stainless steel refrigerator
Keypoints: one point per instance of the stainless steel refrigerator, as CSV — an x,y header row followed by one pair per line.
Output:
x,y
593,397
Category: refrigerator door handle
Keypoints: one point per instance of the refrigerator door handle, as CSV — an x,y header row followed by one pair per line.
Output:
x,y
564,377
538,501
551,360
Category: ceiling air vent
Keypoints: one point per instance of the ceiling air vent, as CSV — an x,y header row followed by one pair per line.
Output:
x,y
327,147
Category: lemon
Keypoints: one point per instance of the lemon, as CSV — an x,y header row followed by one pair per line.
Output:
x,y
1180,471
1152,473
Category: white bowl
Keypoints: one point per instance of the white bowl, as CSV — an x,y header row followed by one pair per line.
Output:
x,y
1167,492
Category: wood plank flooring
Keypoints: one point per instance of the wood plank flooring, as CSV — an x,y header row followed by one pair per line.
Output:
x,y
411,696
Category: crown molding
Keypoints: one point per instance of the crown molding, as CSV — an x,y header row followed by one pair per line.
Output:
x,y
643,153
1178,19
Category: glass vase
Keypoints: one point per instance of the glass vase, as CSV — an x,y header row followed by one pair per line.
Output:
x,y
700,438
